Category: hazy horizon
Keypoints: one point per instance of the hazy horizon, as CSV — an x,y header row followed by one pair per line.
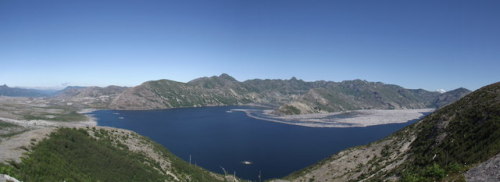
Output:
x,y
423,44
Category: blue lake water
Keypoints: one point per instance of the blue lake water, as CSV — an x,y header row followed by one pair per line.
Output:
x,y
217,139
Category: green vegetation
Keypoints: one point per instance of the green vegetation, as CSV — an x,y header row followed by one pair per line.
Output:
x,y
177,94
66,115
9,129
318,96
447,144
457,136
435,172
288,109
6,125
359,94
75,155
72,155
187,171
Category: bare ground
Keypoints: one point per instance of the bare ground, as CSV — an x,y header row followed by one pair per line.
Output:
x,y
356,163
356,118
486,171
12,148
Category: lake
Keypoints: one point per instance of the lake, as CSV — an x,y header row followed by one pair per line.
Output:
x,y
215,139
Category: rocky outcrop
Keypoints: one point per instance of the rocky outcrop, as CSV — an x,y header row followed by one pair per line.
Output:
x,y
7,178
485,172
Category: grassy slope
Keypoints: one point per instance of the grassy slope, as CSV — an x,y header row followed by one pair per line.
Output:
x,y
66,115
446,144
74,155
451,139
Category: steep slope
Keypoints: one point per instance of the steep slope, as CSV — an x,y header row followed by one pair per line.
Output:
x,y
102,154
358,94
442,146
215,82
276,92
162,94
210,91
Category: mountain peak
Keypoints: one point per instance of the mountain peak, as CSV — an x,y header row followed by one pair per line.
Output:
x,y
461,89
227,77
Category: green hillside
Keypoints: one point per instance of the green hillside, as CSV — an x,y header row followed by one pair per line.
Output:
x,y
456,137
441,147
293,96
92,154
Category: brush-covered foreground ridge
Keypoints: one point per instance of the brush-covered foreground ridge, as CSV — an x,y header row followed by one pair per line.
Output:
x,y
101,154
459,142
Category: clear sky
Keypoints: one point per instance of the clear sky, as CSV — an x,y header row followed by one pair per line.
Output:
x,y
416,44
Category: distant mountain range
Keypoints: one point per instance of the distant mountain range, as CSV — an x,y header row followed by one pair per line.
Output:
x,y
293,96
444,146
24,92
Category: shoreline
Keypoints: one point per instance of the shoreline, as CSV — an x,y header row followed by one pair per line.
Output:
x,y
46,123
354,118
91,121
345,119
90,118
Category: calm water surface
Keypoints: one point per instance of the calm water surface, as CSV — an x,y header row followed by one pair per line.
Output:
x,y
217,139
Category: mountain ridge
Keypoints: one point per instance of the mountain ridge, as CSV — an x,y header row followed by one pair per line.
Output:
x,y
293,96
286,96
24,92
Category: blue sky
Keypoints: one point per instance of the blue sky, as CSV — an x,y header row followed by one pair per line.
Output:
x,y
415,44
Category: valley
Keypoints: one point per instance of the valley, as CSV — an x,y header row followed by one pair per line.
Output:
x,y
277,102
314,104
249,91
